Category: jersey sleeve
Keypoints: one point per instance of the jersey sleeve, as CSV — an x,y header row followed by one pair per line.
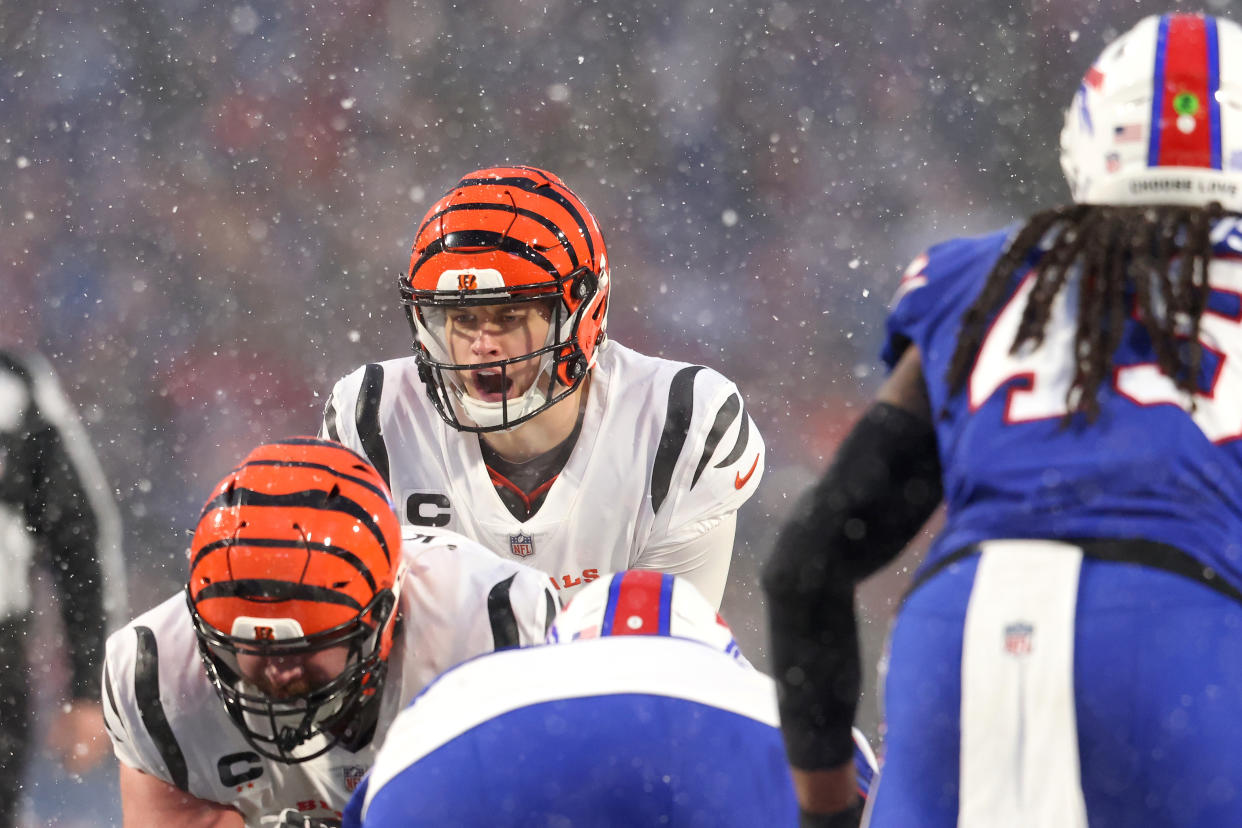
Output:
x,y
534,605
131,741
470,601
351,416
338,423
936,288
703,560
709,461
520,604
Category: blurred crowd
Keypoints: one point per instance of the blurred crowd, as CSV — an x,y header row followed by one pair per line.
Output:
x,y
206,205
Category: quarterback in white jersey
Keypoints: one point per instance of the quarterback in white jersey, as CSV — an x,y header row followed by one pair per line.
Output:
x,y
589,457
200,732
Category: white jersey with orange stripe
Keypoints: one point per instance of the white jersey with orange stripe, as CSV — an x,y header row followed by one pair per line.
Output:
x,y
458,601
666,455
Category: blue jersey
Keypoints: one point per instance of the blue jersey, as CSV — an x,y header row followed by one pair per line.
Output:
x,y
634,730
1150,466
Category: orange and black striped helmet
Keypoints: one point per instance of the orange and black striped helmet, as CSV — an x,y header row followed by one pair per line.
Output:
x,y
507,235
294,576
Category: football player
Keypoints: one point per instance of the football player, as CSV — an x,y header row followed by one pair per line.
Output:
x,y
307,623
649,716
517,416
1073,386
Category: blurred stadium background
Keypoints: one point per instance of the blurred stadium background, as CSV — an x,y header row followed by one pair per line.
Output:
x,y
206,205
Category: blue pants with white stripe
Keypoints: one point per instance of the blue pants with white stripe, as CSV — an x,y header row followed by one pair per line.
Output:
x,y
1156,703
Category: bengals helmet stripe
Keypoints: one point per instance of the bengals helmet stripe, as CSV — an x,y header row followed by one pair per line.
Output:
x,y
343,554
543,221
538,187
542,190
539,219
490,240
322,467
310,499
270,590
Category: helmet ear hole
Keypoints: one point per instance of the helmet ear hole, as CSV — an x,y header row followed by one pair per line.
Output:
x,y
576,367
382,610
584,285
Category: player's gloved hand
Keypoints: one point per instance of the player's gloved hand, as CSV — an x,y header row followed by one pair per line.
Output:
x,y
293,818
849,818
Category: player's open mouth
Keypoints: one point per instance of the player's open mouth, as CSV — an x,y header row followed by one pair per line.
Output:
x,y
491,384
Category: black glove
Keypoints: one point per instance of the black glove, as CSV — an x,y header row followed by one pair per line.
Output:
x,y
849,818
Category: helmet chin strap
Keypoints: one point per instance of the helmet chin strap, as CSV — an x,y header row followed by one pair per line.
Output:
x,y
491,414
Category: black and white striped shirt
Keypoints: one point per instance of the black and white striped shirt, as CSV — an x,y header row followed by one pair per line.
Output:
x,y
57,509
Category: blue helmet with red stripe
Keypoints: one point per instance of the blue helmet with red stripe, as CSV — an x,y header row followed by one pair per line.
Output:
x,y
1157,118
643,602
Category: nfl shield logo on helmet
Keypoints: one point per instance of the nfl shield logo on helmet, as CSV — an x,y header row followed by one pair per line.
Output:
x,y
1018,637
353,776
522,545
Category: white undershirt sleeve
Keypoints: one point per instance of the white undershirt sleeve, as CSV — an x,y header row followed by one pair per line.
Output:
x,y
700,553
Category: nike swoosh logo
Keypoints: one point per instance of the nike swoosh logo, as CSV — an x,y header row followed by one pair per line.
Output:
x,y
740,481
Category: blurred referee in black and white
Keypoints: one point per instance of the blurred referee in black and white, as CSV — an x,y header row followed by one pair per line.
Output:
x,y
57,510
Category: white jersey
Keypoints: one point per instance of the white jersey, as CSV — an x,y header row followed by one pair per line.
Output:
x,y
457,601
667,453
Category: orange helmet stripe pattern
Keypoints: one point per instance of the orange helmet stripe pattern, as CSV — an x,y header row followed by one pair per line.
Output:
x,y
302,529
521,211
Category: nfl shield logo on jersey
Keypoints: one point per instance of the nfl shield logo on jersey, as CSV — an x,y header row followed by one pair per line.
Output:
x,y
522,545
1018,638
353,776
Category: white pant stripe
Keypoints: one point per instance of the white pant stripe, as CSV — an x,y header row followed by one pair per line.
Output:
x,y
1019,761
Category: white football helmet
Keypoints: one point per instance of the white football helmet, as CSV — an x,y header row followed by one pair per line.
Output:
x,y
643,602
1158,117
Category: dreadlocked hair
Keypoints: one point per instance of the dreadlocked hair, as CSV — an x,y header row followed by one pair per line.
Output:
x,y
1161,253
